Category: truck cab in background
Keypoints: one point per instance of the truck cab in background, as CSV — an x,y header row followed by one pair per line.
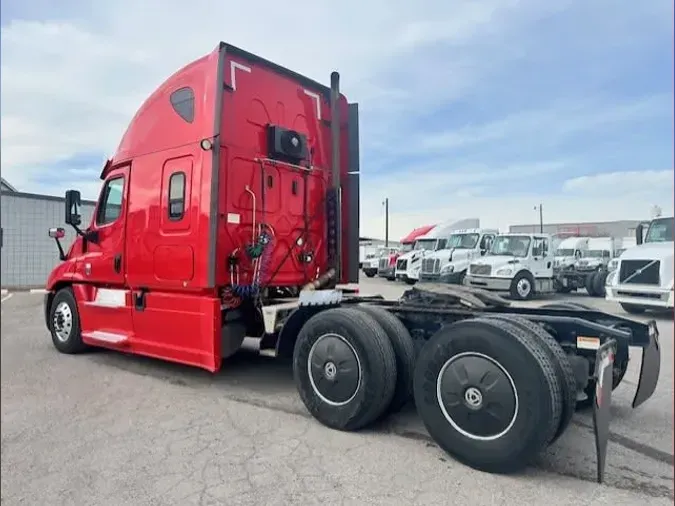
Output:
x,y
450,264
643,276
590,270
408,266
519,264
387,265
372,261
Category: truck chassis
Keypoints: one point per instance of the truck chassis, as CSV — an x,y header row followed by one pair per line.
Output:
x,y
493,384
567,280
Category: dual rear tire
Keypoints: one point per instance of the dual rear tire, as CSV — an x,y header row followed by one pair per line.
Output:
x,y
493,392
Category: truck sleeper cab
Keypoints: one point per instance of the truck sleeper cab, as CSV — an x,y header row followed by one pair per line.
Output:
x,y
196,244
519,264
224,189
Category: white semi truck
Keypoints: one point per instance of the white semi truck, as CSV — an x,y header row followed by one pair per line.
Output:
x,y
408,266
520,264
372,260
643,277
450,264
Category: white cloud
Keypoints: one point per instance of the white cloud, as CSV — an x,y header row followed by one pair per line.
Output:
x,y
71,86
603,197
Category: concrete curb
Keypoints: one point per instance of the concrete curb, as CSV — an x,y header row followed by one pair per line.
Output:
x,y
38,290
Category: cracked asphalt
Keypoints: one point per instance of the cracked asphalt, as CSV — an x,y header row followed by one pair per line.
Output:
x,y
108,429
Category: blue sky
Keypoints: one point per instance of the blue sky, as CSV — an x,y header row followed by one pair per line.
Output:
x,y
468,108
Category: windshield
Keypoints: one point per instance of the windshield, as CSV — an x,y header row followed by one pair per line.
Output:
x,y
511,245
425,244
564,252
406,247
462,241
596,253
661,230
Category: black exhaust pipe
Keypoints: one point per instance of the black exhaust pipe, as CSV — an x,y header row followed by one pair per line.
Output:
x,y
335,167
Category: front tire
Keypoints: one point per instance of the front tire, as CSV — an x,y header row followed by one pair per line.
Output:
x,y
64,323
344,368
522,286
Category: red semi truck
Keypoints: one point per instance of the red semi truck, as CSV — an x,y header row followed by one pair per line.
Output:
x,y
230,210
387,265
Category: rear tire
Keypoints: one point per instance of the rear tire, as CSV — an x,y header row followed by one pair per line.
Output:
x,y
562,365
450,394
632,308
64,323
370,274
344,368
404,351
589,283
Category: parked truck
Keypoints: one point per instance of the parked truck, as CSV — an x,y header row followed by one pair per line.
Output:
x,y
590,270
642,278
387,265
518,264
450,264
371,263
230,210
408,266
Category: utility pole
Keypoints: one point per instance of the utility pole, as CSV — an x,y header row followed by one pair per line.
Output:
x,y
541,217
386,222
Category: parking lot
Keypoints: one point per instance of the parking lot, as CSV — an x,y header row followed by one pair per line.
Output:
x,y
108,429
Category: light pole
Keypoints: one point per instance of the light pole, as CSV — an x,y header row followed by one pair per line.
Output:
x,y
541,217
386,222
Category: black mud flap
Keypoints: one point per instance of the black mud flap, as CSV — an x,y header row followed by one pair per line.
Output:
x,y
650,368
604,364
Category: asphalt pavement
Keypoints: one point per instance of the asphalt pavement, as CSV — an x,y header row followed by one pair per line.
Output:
x,y
108,429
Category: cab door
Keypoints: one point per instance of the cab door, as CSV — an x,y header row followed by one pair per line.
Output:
x,y
542,262
104,262
104,302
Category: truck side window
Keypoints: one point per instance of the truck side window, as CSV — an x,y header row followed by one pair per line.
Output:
x,y
183,102
539,247
486,242
176,195
110,206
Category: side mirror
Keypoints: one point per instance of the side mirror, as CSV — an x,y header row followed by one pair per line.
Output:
x,y
57,233
73,201
638,233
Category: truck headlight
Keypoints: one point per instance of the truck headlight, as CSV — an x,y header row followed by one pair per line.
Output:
x,y
610,278
507,271
448,269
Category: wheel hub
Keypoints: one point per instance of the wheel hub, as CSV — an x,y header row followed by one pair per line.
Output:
x,y
477,396
523,287
334,369
62,321
473,398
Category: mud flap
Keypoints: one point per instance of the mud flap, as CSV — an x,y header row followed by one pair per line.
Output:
x,y
650,368
604,364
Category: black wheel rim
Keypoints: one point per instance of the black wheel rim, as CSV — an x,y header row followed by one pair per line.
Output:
x,y
477,396
334,369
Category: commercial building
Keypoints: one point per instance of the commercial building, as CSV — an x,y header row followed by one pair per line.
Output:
x,y
622,228
28,253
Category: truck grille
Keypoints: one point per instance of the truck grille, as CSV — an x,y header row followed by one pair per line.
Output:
x,y
402,265
648,276
480,270
384,262
431,266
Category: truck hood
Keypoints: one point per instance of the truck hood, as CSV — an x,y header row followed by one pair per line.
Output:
x,y
563,261
497,262
451,255
651,251
412,255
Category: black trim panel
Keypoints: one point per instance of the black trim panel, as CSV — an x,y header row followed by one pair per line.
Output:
x,y
353,185
215,169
